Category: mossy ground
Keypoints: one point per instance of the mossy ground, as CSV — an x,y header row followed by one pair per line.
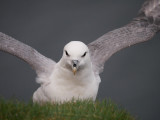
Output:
x,y
79,110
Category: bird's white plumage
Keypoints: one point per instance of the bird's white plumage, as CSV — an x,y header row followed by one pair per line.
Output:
x,y
58,82
62,85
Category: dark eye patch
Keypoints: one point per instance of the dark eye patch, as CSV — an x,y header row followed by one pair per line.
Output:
x,y
84,54
67,53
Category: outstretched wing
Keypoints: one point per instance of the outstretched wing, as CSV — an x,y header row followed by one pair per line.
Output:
x,y
141,29
41,64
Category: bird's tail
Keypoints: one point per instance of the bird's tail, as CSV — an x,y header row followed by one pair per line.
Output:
x,y
150,12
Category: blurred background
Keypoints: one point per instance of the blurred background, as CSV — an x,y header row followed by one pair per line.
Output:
x,y
131,77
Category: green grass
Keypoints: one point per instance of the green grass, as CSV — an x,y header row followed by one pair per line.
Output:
x,y
80,110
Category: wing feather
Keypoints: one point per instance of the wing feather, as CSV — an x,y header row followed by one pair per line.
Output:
x,y
40,63
141,29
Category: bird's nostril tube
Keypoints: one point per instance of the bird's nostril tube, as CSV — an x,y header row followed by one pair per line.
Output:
x,y
74,65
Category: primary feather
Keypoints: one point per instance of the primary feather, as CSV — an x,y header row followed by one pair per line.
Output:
x,y
141,29
40,63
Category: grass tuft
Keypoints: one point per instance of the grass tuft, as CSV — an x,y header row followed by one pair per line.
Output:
x,y
79,110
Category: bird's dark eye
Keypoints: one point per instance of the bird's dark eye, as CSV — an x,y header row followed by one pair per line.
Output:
x,y
84,54
67,53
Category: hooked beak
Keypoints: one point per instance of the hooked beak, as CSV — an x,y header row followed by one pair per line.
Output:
x,y
74,70
74,66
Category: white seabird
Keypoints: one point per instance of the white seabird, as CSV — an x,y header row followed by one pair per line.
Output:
x,y
76,75
72,77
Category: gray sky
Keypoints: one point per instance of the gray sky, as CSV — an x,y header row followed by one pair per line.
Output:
x,y
131,77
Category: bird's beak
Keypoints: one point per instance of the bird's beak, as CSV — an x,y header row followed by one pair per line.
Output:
x,y
74,66
74,70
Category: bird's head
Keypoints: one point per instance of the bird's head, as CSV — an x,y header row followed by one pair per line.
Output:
x,y
76,56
